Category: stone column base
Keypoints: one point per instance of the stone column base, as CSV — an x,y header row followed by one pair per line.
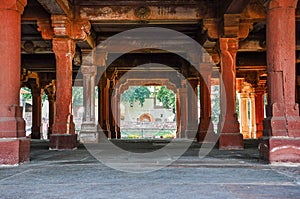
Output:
x,y
231,141
191,134
63,141
35,132
208,136
279,149
88,133
14,150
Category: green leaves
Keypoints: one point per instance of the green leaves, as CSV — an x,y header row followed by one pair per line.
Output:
x,y
167,97
136,93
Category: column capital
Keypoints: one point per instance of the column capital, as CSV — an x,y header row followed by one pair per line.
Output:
x,y
229,44
88,70
63,26
64,47
16,5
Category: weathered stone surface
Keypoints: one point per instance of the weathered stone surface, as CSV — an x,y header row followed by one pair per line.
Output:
x,y
230,137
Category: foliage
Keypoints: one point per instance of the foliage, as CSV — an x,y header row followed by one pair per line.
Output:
x,y
215,104
77,96
28,96
136,93
166,97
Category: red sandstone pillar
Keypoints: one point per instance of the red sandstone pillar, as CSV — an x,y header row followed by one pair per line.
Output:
x,y
244,114
253,122
192,111
183,109
36,112
14,146
281,136
63,135
178,119
51,99
106,110
206,131
259,111
112,103
230,137
50,91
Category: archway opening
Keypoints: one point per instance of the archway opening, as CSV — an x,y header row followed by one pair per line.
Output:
x,y
148,112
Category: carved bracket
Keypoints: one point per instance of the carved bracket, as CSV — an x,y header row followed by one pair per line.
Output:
x,y
44,26
62,26
212,26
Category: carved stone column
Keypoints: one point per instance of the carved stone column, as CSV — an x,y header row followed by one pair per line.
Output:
x,y
192,111
244,114
118,114
63,135
206,131
88,133
259,111
112,106
281,141
178,118
252,114
51,100
230,137
14,146
102,110
36,92
183,108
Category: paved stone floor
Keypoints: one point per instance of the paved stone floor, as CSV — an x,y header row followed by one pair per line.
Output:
x,y
220,174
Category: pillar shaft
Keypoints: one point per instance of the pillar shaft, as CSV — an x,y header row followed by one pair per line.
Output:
x,y
230,137
63,135
183,109
192,111
14,147
206,131
281,141
259,112
252,118
51,100
36,112
244,115
178,118
112,106
88,133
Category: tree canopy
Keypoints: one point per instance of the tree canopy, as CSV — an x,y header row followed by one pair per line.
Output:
x,y
166,97
136,93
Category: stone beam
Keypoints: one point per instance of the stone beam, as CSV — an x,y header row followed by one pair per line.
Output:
x,y
236,6
144,13
57,7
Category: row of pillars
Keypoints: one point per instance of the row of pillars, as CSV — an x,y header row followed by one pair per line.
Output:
x,y
281,135
251,109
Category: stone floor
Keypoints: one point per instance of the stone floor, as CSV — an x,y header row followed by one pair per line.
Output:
x,y
78,174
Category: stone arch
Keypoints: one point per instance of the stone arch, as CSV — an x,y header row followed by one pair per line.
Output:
x,y
146,117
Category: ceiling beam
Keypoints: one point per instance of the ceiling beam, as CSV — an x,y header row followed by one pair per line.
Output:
x,y
57,7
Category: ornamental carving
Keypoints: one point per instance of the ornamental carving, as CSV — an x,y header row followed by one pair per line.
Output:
x,y
142,12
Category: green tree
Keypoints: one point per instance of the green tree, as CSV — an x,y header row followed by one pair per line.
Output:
x,y
77,95
136,93
166,97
